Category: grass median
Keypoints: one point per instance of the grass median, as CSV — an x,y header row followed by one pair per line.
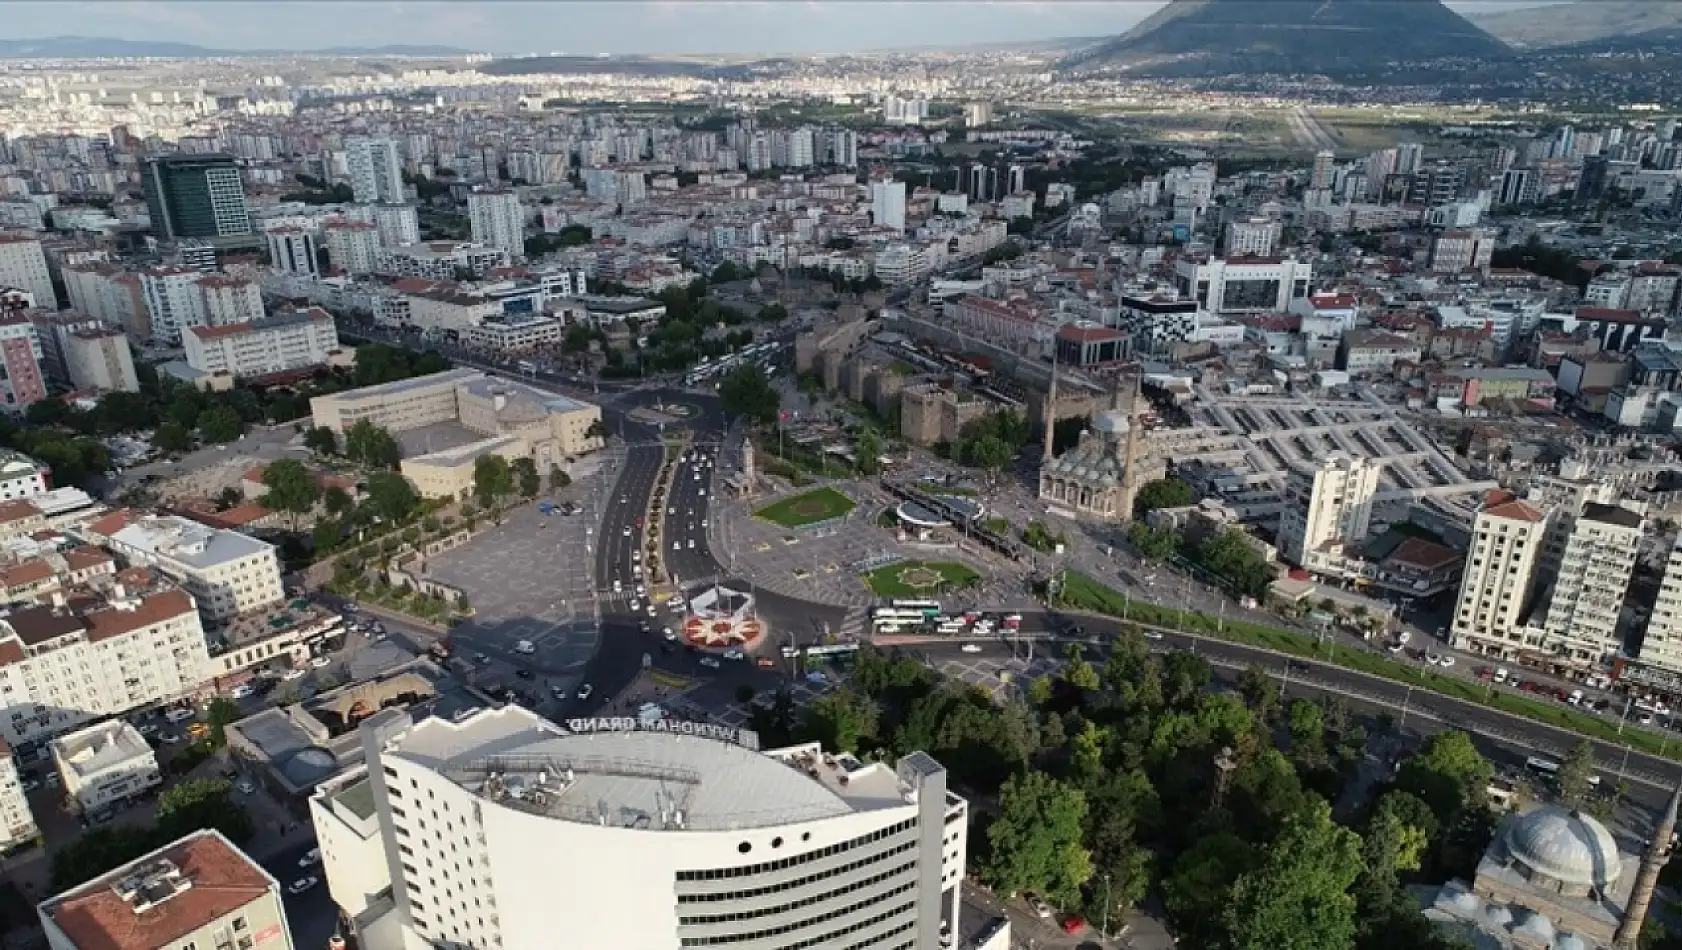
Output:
x,y
1084,593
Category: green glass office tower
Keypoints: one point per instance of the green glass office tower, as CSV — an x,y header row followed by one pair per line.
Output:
x,y
195,196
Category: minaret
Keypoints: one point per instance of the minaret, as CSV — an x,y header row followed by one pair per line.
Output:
x,y
1050,411
1647,879
1130,461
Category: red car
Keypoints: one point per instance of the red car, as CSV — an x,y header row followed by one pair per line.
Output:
x,y
1073,924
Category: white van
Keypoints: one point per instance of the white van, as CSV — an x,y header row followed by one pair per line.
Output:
x,y
177,714
525,648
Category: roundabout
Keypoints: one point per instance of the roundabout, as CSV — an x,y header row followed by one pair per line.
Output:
x,y
721,617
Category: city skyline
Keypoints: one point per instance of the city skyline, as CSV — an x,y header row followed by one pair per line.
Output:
x,y
667,27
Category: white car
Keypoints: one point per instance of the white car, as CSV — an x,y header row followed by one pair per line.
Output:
x,y
710,662
302,884
971,648
311,858
692,544
1445,662
636,605
735,655
585,691
294,674
320,661
641,590
1041,909
626,532
246,787
1402,636
677,545
653,611
1501,675
669,634
702,492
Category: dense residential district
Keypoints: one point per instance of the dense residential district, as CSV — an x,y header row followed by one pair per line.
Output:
x,y
880,506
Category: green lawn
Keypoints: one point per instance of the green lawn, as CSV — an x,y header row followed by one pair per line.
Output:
x,y
821,504
919,578
1084,593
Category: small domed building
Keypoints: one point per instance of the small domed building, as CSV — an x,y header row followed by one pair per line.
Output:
x,y
1553,879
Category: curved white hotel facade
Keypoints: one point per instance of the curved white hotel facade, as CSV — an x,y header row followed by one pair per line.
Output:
x,y
503,830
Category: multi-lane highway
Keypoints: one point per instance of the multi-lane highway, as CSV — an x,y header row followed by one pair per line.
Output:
x,y
686,519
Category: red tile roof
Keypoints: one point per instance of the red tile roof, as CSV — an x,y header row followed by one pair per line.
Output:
x,y
18,511
224,880
1504,504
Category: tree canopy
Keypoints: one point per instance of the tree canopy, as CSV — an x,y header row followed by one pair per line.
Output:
x,y
745,391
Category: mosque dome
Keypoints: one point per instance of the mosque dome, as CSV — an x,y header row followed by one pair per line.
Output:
x,y
1566,846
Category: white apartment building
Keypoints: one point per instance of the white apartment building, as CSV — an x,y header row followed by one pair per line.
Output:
x,y
1328,505
197,893
100,360
17,820
21,476
353,246
174,300
1462,249
887,204
1256,237
694,837
376,170
105,764
228,573
1662,645
441,260
23,264
292,249
1507,539
286,341
230,299
515,333
1581,625
1243,284
67,661
497,220
397,224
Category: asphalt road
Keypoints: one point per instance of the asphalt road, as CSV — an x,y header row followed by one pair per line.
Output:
x,y
312,916
687,555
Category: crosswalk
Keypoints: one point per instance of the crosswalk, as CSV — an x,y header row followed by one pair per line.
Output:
x,y
854,625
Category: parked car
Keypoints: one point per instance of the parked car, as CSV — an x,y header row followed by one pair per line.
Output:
x,y
246,787
971,648
586,691
1041,909
311,858
302,884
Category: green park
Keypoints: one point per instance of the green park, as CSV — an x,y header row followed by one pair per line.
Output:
x,y
807,508
920,578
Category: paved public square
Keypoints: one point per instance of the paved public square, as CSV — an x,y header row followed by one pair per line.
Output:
x,y
533,578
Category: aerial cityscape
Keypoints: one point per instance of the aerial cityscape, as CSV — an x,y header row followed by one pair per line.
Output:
x,y
1197,474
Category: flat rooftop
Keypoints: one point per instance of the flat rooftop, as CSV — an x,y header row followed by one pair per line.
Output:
x,y
486,387
188,542
102,747
449,377
643,779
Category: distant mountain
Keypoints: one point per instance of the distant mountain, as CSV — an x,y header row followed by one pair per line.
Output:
x,y
1332,37
1622,23
97,47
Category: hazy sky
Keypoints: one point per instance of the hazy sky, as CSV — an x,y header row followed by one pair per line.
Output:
x,y
587,26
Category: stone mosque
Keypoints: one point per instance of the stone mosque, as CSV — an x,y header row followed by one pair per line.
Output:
x,y
1100,476
1554,879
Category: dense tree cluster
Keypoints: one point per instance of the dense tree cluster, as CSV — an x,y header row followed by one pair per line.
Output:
x,y
992,441
1108,789
188,807
746,391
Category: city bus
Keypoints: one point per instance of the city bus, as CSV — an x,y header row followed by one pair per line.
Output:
x,y
929,607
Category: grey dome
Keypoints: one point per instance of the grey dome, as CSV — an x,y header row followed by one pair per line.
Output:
x,y
1566,846
1110,422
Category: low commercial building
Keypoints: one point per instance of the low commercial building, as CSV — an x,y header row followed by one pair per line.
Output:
x,y
287,341
199,892
227,573
512,334
441,260
696,837
398,406
104,765
515,420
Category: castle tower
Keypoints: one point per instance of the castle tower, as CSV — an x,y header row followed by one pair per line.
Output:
x,y
1647,879
1050,410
